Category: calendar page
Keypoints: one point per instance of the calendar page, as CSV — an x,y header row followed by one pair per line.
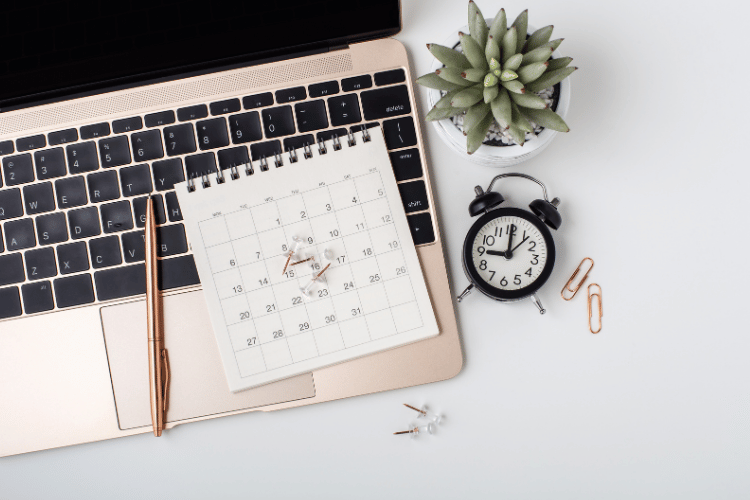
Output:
x,y
308,264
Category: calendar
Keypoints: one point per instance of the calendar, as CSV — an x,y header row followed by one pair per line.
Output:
x,y
306,264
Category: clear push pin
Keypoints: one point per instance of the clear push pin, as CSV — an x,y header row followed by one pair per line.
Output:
x,y
296,244
307,289
424,412
416,430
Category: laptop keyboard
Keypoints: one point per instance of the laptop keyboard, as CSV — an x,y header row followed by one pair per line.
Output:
x,y
72,202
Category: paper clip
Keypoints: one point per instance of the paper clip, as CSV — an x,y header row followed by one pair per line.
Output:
x,y
574,291
601,308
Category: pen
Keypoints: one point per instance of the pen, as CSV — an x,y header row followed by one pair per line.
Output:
x,y
158,362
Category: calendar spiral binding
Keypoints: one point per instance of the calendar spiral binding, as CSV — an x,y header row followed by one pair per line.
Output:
x,y
307,153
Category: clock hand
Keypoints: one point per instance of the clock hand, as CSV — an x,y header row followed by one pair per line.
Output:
x,y
522,242
496,252
509,252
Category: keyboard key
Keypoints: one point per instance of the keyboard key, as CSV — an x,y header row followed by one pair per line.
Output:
x,y
19,234
212,133
84,222
10,204
192,113
385,102
390,77
160,118
116,217
265,150
400,133
10,303
82,157
105,252
298,142
11,269
71,192
311,116
39,198
177,272
233,157
62,137
198,165
29,143
74,291
73,257
18,170
180,139
103,186
344,110
324,89
147,145
421,228
328,135
139,209
2,241
127,125
245,127
135,180
278,121
225,107
114,152
95,130
289,95
50,163
6,148
37,297
167,173
121,282
173,207
406,164
51,229
40,264
414,196
171,240
257,100
134,246
356,83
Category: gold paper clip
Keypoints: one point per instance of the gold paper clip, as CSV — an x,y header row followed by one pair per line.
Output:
x,y
574,291
601,308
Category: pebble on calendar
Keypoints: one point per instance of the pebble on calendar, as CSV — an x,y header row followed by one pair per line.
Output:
x,y
308,264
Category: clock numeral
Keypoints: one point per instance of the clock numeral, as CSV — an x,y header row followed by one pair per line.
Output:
x,y
535,259
503,282
481,250
528,273
483,265
533,246
488,240
517,279
493,275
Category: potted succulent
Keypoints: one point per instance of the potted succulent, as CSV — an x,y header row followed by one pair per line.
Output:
x,y
499,87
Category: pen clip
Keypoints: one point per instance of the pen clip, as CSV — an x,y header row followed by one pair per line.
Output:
x,y
165,381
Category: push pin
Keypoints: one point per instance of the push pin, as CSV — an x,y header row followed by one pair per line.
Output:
x,y
312,258
307,288
416,430
424,412
296,243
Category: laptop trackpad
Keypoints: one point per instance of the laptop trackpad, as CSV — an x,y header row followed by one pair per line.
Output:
x,y
198,386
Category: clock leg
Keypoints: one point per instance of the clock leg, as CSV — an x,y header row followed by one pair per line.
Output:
x,y
537,303
465,292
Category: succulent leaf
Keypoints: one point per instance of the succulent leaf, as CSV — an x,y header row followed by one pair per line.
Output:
x,y
538,38
501,109
509,43
473,51
453,75
532,71
522,27
550,78
508,75
433,81
473,11
474,116
558,63
494,64
449,57
528,100
445,101
443,113
490,93
513,62
499,25
480,29
490,80
475,75
517,134
546,118
537,55
554,44
519,120
514,86
492,52
476,136
498,72
468,97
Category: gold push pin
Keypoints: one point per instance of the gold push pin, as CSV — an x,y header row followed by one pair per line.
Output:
x,y
416,430
296,243
424,412
303,261
568,286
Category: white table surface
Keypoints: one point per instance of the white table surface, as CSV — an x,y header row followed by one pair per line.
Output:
x,y
654,183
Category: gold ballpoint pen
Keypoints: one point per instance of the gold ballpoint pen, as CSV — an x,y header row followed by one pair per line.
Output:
x,y
158,362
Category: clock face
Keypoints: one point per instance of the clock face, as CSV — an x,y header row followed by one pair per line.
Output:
x,y
509,253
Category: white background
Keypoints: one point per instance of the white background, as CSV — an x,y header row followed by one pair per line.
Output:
x,y
654,183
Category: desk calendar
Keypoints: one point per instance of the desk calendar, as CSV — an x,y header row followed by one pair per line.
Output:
x,y
307,264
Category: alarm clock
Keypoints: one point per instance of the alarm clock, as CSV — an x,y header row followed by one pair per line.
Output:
x,y
509,253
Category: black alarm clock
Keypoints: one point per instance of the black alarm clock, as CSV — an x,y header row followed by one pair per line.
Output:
x,y
509,253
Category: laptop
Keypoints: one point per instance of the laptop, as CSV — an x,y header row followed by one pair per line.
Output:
x,y
102,103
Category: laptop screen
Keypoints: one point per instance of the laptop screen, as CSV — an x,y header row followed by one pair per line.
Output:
x,y
56,48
